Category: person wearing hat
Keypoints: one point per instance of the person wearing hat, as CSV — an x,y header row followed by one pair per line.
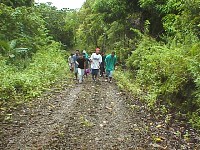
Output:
x,y
95,60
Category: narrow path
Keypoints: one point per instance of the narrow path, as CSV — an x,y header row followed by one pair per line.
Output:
x,y
92,116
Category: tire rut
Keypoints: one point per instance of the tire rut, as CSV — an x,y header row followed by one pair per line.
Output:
x,y
43,123
101,120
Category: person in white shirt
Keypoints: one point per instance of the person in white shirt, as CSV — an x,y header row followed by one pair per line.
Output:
x,y
95,60
70,62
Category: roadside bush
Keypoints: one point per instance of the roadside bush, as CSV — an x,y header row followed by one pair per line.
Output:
x,y
166,73
27,26
48,66
125,81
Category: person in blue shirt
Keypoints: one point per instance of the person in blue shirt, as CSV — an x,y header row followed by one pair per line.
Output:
x,y
110,62
75,57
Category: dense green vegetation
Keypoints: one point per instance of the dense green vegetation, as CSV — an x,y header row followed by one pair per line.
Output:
x,y
32,56
158,41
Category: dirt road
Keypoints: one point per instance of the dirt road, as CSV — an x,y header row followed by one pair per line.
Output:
x,y
93,116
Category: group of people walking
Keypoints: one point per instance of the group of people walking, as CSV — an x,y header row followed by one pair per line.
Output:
x,y
98,64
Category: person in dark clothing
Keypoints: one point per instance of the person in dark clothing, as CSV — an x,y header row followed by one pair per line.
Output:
x,y
81,67
102,65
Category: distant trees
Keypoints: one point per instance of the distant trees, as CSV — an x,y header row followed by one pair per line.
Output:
x,y
18,3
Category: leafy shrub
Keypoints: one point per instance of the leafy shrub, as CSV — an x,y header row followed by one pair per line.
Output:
x,y
26,24
167,73
6,88
125,82
48,66
161,69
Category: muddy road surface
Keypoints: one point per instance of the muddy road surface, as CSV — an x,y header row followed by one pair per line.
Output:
x,y
93,116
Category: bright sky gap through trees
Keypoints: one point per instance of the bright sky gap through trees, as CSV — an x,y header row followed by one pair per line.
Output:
x,y
71,4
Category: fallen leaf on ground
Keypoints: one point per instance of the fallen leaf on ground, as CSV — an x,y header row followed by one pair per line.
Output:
x,y
101,125
158,126
157,146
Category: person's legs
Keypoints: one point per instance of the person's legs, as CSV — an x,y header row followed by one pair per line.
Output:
x,y
70,67
76,72
79,75
82,74
85,72
93,73
107,74
96,73
101,70
110,76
